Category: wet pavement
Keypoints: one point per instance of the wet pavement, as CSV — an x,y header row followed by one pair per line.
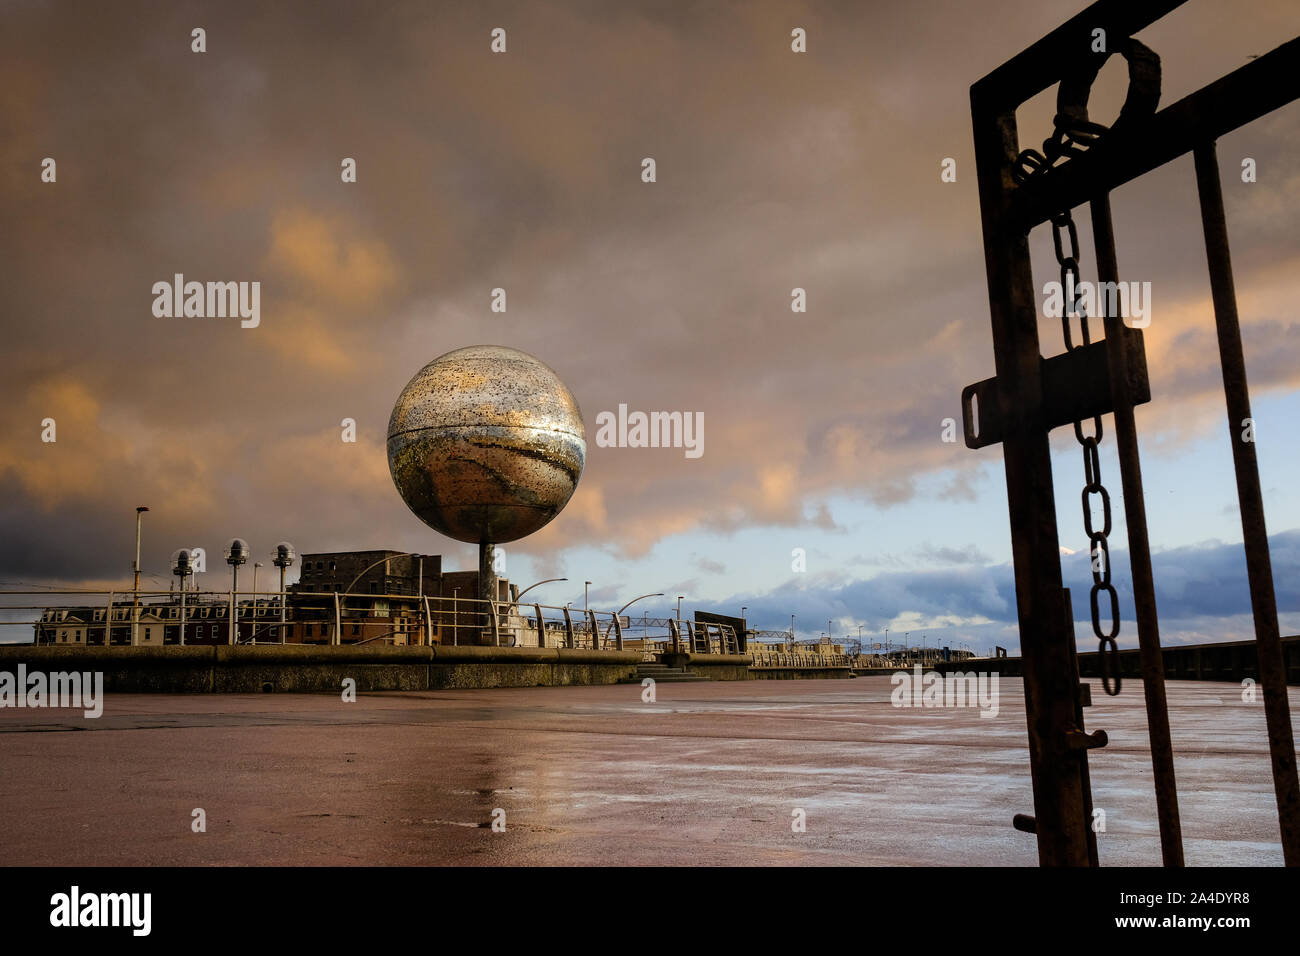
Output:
x,y
711,773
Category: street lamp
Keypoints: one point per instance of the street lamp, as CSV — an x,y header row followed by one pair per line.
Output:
x,y
538,584
389,557
135,605
182,568
256,565
586,590
679,610
236,554
284,556
619,612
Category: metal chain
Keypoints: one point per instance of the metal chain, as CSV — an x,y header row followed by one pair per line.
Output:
x,y
1072,137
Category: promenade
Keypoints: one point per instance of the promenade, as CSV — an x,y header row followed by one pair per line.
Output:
x,y
710,773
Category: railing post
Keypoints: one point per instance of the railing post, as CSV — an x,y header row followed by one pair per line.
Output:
x,y
496,630
618,634
541,626
595,636
568,628
338,620
428,622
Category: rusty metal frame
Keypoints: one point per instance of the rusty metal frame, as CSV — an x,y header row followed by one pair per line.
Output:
x,y
1030,395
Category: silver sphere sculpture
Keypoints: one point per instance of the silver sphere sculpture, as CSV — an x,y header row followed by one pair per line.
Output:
x,y
486,444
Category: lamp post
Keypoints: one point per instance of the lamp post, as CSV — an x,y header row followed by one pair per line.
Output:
x,y
182,569
135,604
256,565
236,554
515,603
538,584
679,611
619,612
635,599
406,554
586,591
284,555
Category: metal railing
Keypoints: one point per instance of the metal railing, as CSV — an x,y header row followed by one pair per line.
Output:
x,y
73,617
797,658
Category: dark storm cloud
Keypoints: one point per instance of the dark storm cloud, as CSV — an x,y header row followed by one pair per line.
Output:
x,y
522,171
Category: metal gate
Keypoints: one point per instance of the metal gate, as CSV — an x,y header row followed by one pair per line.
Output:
x,y
1081,163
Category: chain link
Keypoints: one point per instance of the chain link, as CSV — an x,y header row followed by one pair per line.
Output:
x,y
1070,138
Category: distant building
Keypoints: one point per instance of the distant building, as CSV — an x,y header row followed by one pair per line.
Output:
x,y
206,623
387,603
368,572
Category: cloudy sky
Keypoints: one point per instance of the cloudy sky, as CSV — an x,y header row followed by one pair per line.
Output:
x,y
522,171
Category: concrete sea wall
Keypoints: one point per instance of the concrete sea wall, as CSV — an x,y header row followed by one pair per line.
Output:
x,y
295,668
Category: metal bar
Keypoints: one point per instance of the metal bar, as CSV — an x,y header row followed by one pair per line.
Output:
x,y
428,622
1244,95
1037,67
1047,643
1272,669
541,626
568,628
1076,386
1121,345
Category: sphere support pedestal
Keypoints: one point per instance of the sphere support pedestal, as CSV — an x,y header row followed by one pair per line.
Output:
x,y
487,586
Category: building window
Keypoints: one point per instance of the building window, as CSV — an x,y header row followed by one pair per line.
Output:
x,y
147,632
333,566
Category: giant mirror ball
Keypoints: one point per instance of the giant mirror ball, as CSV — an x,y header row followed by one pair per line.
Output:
x,y
486,444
